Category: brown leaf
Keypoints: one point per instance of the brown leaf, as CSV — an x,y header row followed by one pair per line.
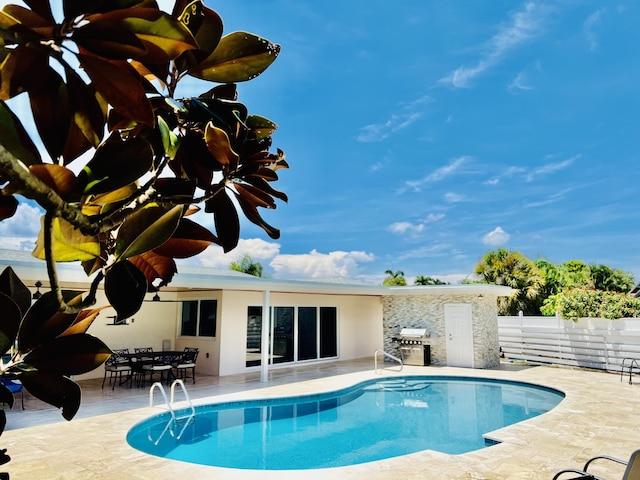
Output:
x,y
83,321
51,111
54,389
9,321
8,207
44,321
58,178
12,286
254,195
188,240
155,266
251,212
225,219
69,355
220,148
120,85
125,287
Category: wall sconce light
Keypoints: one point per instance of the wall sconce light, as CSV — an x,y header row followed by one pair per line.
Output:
x,y
480,297
156,298
36,295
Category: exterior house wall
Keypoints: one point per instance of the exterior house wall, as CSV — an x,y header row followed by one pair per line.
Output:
x,y
427,311
359,326
154,323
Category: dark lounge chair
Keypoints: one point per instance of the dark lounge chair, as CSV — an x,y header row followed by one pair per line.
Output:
x,y
632,471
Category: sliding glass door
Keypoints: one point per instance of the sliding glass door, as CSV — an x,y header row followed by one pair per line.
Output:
x,y
296,334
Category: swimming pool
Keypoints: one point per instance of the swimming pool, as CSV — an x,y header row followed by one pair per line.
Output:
x,y
370,421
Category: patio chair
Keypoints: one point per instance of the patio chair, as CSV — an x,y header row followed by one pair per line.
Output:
x,y
116,366
156,364
14,386
186,362
632,472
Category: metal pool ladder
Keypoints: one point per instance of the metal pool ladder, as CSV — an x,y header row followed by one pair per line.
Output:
x,y
384,354
169,404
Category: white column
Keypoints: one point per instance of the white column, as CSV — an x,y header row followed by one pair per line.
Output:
x,y
266,328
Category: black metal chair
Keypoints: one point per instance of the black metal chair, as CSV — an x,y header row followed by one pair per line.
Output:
x,y
152,365
186,362
116,366
632,472
14,386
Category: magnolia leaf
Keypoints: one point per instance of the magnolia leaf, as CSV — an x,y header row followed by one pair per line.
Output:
x,y
225,219
96,204
188,240
125,287
13,287
154,266
89,110
219,146
251,212
258,181
239,56
9,322
44,321
51,111
146,229
116,164
42,8
83,321
54,389
58,178
170,141
69,244
15,138
262,127
8,206
208,32
158,29
176,189
119,83
69,355
108,38
254,196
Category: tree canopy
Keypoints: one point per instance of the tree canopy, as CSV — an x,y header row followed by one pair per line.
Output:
x,y
394,278
125,163
543,287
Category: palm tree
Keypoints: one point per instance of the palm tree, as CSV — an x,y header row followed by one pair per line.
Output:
x,y
422,280
246,265
394,279
504,267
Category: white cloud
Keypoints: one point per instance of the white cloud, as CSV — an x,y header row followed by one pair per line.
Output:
x,y
260,250
551,167
496,237
377,132
434,217
321,266
519,84
441,173
451,197
589,25
21,231
522,27
404,227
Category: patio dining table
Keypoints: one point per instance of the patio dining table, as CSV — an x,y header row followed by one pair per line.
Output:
x,y
138,360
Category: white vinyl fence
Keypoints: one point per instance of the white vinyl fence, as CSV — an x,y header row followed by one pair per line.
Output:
x,y
591,342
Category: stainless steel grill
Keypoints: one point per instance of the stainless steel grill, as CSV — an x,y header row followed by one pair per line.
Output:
x,y
414,346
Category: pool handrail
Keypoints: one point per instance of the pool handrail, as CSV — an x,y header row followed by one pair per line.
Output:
x,y
169,404
385,354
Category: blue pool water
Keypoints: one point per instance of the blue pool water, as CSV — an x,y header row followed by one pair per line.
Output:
x,y
370,421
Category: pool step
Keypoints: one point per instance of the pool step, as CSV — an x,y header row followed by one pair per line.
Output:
x,y
399,386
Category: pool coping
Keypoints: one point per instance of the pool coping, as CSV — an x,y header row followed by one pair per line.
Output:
x,y
599,415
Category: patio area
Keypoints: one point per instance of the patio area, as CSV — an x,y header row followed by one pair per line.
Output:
x,y
600,415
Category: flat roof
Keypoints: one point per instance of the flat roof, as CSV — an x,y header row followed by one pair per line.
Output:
x,y
30,269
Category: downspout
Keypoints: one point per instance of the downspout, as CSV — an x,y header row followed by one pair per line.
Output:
x,y
264,346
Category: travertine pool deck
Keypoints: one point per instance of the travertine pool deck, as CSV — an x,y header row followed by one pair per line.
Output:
x,y
600,415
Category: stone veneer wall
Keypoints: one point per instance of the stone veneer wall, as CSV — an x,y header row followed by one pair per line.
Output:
x,y
427,311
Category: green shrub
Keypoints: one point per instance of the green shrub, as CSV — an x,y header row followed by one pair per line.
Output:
x,y
584,303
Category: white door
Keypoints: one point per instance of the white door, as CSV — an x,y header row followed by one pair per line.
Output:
x,y
458,328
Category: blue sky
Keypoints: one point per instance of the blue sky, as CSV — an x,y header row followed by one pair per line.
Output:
x,y
422,134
